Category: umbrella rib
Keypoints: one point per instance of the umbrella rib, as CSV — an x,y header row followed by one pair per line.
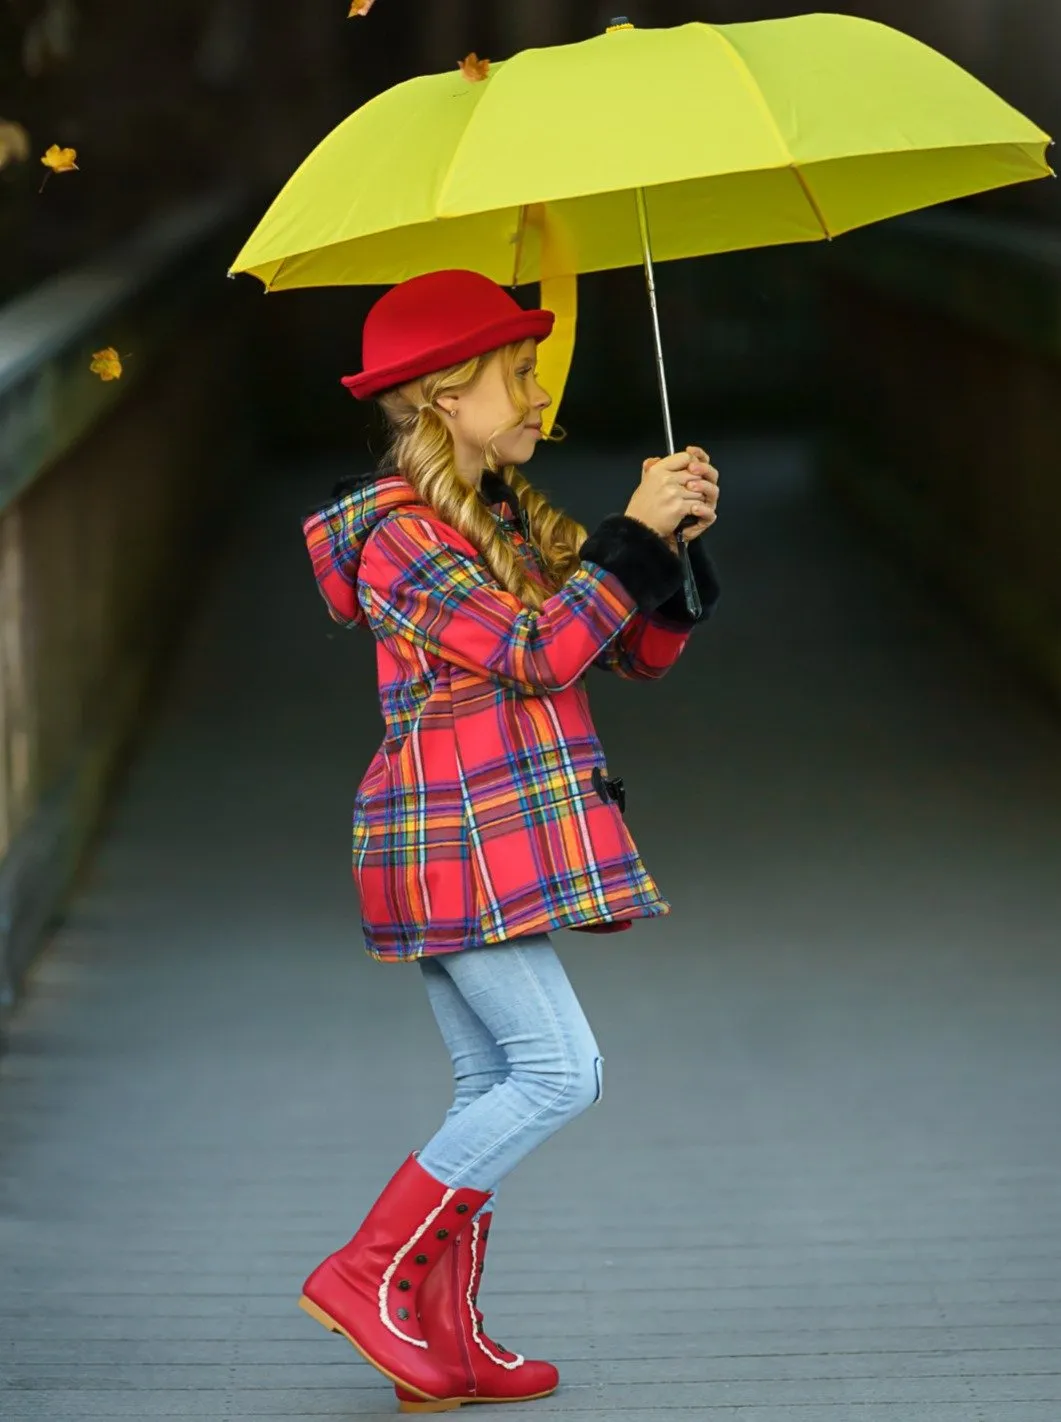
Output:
x,y
809,195
462,137
749,82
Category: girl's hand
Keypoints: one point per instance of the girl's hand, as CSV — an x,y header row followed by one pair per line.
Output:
x,y
707,473
673,487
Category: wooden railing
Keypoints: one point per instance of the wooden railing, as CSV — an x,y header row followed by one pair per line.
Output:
x,y
110,494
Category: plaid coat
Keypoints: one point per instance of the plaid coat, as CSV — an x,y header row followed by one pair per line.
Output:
x,y
485,814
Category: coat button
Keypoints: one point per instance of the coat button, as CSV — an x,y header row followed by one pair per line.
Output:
x,y
421,1259
403,1314
442,1234
404,1285
462,1209
609,788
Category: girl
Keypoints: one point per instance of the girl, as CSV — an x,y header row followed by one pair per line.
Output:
x,y
487,818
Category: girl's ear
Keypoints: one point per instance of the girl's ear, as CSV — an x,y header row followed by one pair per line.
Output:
x,y
447,404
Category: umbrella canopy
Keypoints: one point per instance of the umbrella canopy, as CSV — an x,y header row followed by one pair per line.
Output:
x,y
694,139
742,136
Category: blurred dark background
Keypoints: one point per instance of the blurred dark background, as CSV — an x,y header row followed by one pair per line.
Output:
x,y
916,363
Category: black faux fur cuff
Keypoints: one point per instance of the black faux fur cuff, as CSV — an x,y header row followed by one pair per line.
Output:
x,y
639,558
706,575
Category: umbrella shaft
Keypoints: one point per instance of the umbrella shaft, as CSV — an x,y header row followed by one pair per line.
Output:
x,y
692,595
650,282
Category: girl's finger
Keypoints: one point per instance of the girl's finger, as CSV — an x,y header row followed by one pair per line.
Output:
x,y
678,461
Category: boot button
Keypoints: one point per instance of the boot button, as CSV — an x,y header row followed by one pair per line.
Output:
x,y
404,1285
421,1259
403,1314
442,1234
462,1209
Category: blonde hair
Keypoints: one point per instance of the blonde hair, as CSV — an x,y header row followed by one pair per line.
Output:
x,y
422,451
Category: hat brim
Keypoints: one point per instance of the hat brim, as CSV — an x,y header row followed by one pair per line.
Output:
x,y
527,325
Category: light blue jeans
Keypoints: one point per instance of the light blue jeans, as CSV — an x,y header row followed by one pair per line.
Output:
x,y
525,1061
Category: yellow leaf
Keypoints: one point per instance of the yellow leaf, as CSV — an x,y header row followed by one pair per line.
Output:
x,y
60,160
14,143
107,364
473,68
360,7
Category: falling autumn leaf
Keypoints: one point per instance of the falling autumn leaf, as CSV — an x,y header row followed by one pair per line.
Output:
x,y
473,68
14,143
60,160
107,364
360,7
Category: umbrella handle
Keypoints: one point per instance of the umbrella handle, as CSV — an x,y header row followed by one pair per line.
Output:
x,y
692,597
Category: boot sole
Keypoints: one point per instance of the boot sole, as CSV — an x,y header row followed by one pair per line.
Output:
x,y
451,1404
326,1321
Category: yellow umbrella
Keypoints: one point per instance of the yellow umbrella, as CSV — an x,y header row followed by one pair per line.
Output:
x,y
639,144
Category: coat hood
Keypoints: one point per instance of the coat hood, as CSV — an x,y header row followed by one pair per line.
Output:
x,y
336,532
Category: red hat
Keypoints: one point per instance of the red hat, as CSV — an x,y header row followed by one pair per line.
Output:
x,y
433,321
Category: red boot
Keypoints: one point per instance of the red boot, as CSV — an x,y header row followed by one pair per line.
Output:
x,y
370,1290
481,1371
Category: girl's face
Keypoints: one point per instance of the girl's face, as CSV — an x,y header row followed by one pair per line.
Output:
x,y
486,413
